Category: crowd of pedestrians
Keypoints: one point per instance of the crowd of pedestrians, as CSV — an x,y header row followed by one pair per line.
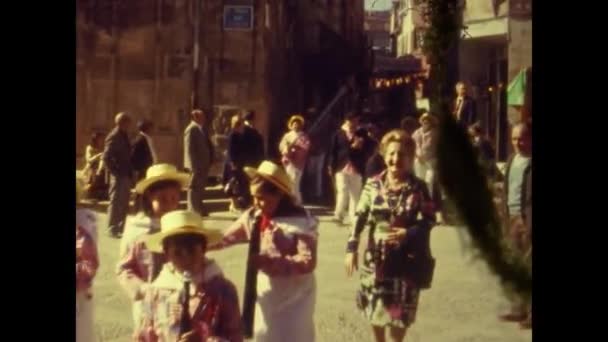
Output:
x,y
385,185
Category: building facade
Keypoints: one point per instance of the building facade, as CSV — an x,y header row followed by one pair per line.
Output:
x,y
495,45
158,59
377,28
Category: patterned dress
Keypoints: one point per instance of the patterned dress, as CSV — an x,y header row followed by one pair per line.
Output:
x,y
387,297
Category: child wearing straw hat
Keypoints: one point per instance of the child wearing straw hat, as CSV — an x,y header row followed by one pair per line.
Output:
x,y
286,286
158,194
190,300
294,147
87,262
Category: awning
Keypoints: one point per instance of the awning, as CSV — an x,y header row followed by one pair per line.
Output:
x,y
486,28
403,65
516,91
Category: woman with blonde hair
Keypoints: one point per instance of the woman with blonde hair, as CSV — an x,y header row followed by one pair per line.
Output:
x,y
294,147
96,186
396,208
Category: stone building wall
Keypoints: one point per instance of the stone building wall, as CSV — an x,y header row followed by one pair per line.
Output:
x,y
137,56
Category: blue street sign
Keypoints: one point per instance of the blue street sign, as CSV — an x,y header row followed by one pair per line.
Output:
x,y
238,17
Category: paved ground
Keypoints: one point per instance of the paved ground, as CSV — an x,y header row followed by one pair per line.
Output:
x,y
461,306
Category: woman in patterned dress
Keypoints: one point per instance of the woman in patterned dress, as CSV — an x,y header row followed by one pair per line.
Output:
x,y
397,209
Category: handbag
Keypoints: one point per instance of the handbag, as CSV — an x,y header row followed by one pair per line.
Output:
x,y
420,270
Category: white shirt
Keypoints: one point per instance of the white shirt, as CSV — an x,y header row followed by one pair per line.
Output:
x,y
459,103
516,180
151,145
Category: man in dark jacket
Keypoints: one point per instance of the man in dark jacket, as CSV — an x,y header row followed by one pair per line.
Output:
x,y
465,110
343,166
517,194
117,160
144,153
254,146
484,149
375,162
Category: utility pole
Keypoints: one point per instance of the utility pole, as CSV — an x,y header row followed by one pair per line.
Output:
x,y
194,102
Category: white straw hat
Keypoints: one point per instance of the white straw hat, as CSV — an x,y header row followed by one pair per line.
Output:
x,y
180,222
162,172
273,173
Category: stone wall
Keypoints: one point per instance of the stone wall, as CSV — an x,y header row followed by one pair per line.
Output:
x,y
477,10
137,56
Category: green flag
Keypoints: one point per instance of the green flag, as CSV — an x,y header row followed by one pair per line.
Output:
x,y
516,92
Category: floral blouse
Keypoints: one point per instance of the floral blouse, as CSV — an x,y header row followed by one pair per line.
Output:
x,y
379,209
294,147
137,265
288,244
213,307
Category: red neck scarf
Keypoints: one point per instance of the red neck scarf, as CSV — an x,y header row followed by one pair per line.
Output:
x,y
265,222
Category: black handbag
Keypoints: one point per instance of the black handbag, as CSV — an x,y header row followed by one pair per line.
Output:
x,y
420,270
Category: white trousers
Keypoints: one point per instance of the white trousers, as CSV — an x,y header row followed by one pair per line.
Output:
x,y
285,309
295,175
84,318
426,172
348,191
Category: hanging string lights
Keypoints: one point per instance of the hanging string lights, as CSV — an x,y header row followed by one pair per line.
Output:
x,y
389,83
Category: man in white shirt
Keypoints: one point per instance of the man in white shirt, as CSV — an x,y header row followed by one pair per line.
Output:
x,y
518,208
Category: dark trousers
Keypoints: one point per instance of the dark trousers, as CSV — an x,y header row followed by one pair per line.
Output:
x,y
520,242
196,192
120,190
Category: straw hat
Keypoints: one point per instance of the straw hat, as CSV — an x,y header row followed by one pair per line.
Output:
x,y
274,174
161,172
179,222
295,118
428,116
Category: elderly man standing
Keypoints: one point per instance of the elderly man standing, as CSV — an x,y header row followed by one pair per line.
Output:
x,y
518,208
465,110
198,156
117,159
